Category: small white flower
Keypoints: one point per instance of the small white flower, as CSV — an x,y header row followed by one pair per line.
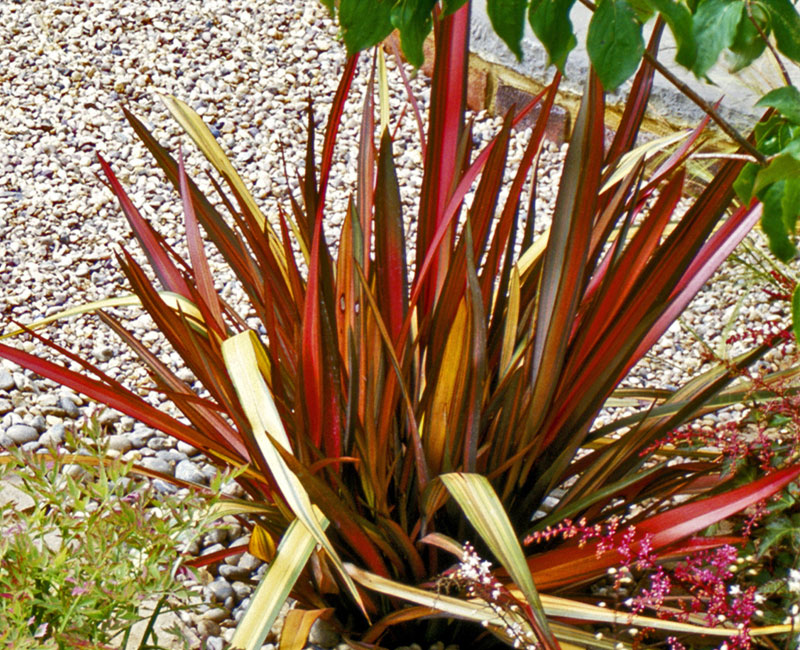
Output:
x,y
735,590
794,581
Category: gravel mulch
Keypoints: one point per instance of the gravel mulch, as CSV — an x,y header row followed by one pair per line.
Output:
x,y
248,67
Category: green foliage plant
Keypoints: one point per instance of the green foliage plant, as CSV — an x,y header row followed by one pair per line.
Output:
x,y
369,395
85,542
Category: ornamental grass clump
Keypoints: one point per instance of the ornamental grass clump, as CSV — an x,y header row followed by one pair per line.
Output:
x,y
369,394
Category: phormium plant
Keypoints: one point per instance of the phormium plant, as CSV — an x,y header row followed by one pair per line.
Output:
x,y
369,393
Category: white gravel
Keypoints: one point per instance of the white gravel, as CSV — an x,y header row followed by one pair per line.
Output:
x,y
248,67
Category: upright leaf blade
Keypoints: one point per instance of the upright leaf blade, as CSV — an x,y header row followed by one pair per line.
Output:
x,y
244,358
265,604
480,504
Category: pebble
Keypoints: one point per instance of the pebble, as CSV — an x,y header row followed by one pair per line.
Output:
x,y
323,634
220,589
215,643
249,562
58,225
186,470
22,433
53,436
216,614
6,380
120,443
157,465
234,572
69,406
186,448
207,628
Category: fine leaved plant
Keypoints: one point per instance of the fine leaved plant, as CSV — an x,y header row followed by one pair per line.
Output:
x,y
369,394
85,544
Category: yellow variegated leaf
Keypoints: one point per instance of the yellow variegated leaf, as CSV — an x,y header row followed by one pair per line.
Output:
x,y
480,504
197,130
437,432
532,254
511,322
173,300
469,610
647,150
298,626
573,609
261,544
244,359
273,590
238,507
383,87
567,636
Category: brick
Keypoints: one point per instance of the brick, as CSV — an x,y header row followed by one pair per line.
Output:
x,y
557,129
476,88
428,50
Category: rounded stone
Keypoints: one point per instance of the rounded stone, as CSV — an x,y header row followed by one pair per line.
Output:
x,y
221,589
157,465
207,628
215,643
22,433
186,470
216,614
70,407
233,573
119,443
7,380
53,436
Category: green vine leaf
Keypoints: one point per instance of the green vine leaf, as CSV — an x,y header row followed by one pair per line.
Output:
x,y
508,20
550,22
450,6
413,19
679,19
614,42
748,44
715,26
785,100
774,225
786,26
364,23
783,167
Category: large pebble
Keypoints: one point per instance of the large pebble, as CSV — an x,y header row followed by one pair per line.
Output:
x,y
70,407
7,380
22,433
120,443
323,634
233,572
216,614
157,465
215,643
53,436
221,589
249,562
186,470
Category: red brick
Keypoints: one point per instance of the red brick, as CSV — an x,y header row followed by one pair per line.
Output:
x,y
557,128
476,89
